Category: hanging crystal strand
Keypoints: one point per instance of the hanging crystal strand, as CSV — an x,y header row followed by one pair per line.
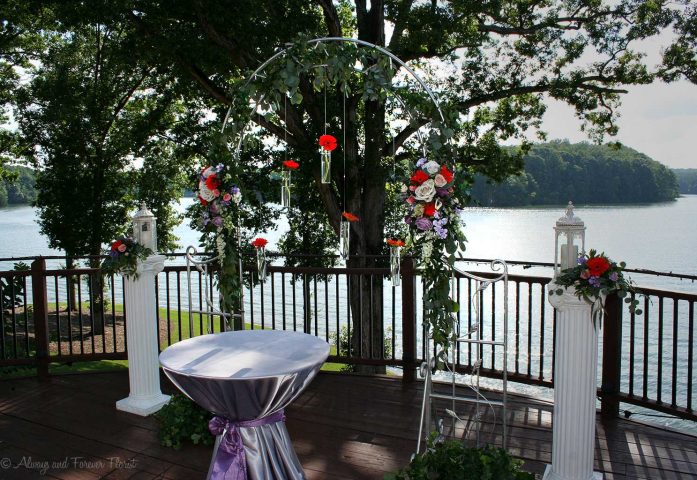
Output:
x,y
285,188
344,230
394,264
261,263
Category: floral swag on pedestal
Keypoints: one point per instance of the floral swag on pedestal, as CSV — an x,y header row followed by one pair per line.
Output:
x,y
123,256
595,277
217,215
435,235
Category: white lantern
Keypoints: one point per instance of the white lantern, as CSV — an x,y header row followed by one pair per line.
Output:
x,y
569,240
145,228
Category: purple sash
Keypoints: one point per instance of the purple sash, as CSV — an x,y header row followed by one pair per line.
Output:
x,y
230,462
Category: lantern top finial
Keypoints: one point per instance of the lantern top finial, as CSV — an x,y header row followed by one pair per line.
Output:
x,y
143,212
569,219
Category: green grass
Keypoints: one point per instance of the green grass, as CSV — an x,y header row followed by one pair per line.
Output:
x,y
57,368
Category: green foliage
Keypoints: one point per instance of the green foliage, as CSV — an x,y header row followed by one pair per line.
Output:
x,y
19,188
181,420
559,171
687,180
345,345
452,460
12,289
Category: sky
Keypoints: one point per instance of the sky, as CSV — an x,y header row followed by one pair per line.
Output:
x,y
659,120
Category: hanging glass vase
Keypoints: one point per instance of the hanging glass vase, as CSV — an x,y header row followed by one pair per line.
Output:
x,y
326,164
261,263
285,188
344,231
394,264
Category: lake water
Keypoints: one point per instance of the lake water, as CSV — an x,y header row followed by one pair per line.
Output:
x,y
660,237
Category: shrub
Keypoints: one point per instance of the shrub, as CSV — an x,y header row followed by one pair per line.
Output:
x,y
451,459
182,420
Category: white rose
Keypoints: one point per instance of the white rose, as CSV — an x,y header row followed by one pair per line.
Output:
x,y
425,191
207,172
205,193
440,180
432,167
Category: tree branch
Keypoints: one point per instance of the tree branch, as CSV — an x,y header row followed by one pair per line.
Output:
x,y
229,45
331,18
192,69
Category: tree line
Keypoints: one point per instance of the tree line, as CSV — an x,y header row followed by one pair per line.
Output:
x,y
18,187
559,171
687,180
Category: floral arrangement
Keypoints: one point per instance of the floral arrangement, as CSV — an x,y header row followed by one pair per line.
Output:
x,y
216,216
327,142
434,228
123,256
596,275
215,196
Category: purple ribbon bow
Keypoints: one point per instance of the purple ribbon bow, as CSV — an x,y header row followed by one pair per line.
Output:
x,y
230,462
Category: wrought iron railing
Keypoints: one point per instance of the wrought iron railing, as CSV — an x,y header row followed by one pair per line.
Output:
x,y
50,315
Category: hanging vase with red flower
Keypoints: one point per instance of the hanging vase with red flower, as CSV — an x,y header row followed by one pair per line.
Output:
x,y
345,233
288,167
260,245
395,254
327,143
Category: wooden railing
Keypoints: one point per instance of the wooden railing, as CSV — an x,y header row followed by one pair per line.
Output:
x,y
647,360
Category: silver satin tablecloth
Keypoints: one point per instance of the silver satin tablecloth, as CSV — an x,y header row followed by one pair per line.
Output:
x,y
249,375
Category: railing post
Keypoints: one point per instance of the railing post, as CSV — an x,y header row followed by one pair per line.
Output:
x,y
408,319
612,357
40,315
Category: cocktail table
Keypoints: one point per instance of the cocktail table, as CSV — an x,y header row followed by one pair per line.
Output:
x,y
245,379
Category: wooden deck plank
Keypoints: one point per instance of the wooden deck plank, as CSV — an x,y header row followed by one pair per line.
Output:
x,y
343,427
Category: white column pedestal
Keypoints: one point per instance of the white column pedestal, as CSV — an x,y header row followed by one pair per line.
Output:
x,y
575,384
145,395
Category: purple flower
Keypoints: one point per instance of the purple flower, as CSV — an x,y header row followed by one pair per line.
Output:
x,y
408,220
442,192
420,162
424,224
213,208
441,232
234,190
594,281
581,260
218,221
219,167
613,276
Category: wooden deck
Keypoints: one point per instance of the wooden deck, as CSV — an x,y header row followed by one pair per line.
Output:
x,y
343,427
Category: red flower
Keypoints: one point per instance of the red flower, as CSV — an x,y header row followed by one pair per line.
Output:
x,y
350,217
212,182
447,174
419,177
203,200
395,242
430,209
292,164
116,245
259,242
597,266
327,142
